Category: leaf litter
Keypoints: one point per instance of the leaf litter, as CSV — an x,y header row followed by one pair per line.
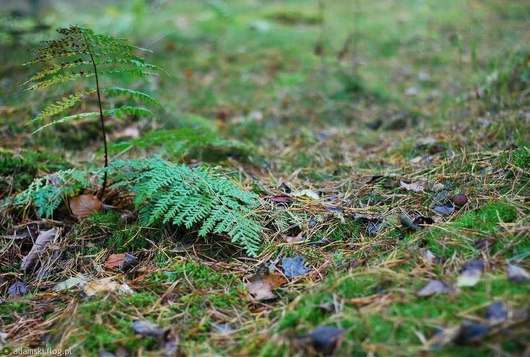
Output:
x,y
363,272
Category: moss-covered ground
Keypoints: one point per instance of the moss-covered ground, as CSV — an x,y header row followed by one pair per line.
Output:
x,y
347,100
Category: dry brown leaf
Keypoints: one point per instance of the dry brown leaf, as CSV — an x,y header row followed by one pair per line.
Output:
x,y
84,205
120,261
261,288
275,280
106,285
413,186
115,261
40,244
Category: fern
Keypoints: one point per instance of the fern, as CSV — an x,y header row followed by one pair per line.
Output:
x,y
164,193
48,192
79,54
184,144
184,196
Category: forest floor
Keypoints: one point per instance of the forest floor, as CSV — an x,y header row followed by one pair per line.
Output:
x,y
388,143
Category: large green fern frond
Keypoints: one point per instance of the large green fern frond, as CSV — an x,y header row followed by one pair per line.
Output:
x,y
167,192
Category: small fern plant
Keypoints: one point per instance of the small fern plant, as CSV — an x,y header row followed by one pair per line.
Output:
x,y
164,193
192,197
48,192
81,54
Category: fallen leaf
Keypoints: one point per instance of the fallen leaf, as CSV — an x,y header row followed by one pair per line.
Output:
x,y
105,285
413,186
374,227
434,287
443,337
130,132
17,289
408,223
470,333
3,338
306,193
84,205
261,286
223,329
440,197
459,199
260,290
470,274
147,329
295,239
326,339
428,256
517,274
437,187
444,210
414,224
275,280
75,281
281,199
38,247
170,345
497,312
412,91
122,261
294,266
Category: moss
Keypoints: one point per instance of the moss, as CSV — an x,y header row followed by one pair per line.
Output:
x,y
293,17
397,324
521,158
357,286
103,324
121,237
308,310
140,300
24,167
488,217
460,235
9,308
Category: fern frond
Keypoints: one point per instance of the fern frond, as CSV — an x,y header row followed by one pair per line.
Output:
x,y
167,192
67,119
57,78
74,55
48,192
119,112
128,110
61,105
137,95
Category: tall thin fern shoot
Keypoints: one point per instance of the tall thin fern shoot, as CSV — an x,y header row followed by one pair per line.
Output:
x,y
80,54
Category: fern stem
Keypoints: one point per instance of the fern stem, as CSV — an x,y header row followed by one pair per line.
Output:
x,y
101,120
